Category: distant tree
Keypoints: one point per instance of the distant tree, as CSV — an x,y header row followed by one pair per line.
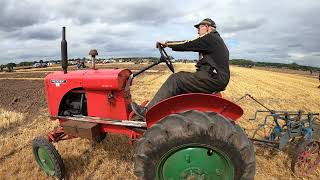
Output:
x,y
10,66
242,62
25,63
294,66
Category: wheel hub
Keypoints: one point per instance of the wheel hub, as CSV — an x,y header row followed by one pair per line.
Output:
x,y
195,163
45,161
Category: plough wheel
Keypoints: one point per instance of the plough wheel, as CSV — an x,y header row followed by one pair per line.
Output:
x,y
48,157
307,158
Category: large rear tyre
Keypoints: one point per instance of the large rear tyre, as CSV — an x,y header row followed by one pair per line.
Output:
x,y
48,157
194,145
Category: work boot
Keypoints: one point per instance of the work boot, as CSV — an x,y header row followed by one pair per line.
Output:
x,y
137,118
139,110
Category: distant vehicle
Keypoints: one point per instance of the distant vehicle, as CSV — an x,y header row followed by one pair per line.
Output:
x,y
40,65
80,65
106,61
36,65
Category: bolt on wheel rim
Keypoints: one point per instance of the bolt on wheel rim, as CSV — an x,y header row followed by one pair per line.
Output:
x,y
195,163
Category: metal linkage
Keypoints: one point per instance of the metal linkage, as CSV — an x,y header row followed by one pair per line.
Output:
x,y
248,95
98,120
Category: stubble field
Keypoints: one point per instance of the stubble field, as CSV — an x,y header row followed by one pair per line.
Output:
x,y
24,115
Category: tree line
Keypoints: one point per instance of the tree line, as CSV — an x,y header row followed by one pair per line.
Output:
x,y
294,66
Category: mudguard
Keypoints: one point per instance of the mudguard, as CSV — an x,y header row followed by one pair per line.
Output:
x,y
193,101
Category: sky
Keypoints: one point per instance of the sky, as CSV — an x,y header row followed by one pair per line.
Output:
x,y
284,31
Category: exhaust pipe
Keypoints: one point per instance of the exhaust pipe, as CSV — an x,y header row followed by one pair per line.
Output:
x,y
64,51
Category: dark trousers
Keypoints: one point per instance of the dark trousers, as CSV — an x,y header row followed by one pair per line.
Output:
x,y
202,81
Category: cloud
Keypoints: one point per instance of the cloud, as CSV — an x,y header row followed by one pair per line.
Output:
x,y
17,14
257,30
242,25
297,45
36,32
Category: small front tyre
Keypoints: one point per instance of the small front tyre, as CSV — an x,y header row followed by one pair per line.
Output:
x,y
47,157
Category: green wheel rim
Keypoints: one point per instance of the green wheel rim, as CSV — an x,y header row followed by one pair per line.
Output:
x,y
44,160
196,162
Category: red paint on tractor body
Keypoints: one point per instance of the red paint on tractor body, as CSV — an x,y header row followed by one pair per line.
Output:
x,y
104,90
193,101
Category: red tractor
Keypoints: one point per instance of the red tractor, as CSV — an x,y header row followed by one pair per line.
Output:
x,y
189,136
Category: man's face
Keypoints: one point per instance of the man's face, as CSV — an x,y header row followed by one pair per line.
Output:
x,y
202,29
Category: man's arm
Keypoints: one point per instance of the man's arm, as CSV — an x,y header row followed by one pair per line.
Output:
x,y
203,43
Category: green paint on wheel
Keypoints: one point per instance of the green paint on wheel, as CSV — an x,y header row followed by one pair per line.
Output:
x,y
196,163
45,161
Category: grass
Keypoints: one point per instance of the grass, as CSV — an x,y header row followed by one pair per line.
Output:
x,y
9,118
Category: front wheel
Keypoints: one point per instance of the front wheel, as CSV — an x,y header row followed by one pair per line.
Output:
x,y
194,145
48,157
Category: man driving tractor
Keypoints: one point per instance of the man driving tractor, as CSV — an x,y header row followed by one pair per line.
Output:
x,y
212,73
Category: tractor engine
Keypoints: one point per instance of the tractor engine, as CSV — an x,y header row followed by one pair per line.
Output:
x,y
74,104
95,93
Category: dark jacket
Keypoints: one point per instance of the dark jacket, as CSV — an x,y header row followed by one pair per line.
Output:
x,y
214,51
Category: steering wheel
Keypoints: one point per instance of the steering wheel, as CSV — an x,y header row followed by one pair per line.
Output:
x,y
165,58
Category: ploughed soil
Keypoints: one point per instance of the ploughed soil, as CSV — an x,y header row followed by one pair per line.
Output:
x,y
23,75
26,96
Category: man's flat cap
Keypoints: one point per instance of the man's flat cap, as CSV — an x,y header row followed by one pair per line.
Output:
x,y
207,21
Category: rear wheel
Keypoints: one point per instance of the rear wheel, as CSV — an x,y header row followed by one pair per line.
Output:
x,y
48,157
194,145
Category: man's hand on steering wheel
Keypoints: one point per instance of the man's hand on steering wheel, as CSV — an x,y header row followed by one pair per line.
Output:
x,y
162,43
164,56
